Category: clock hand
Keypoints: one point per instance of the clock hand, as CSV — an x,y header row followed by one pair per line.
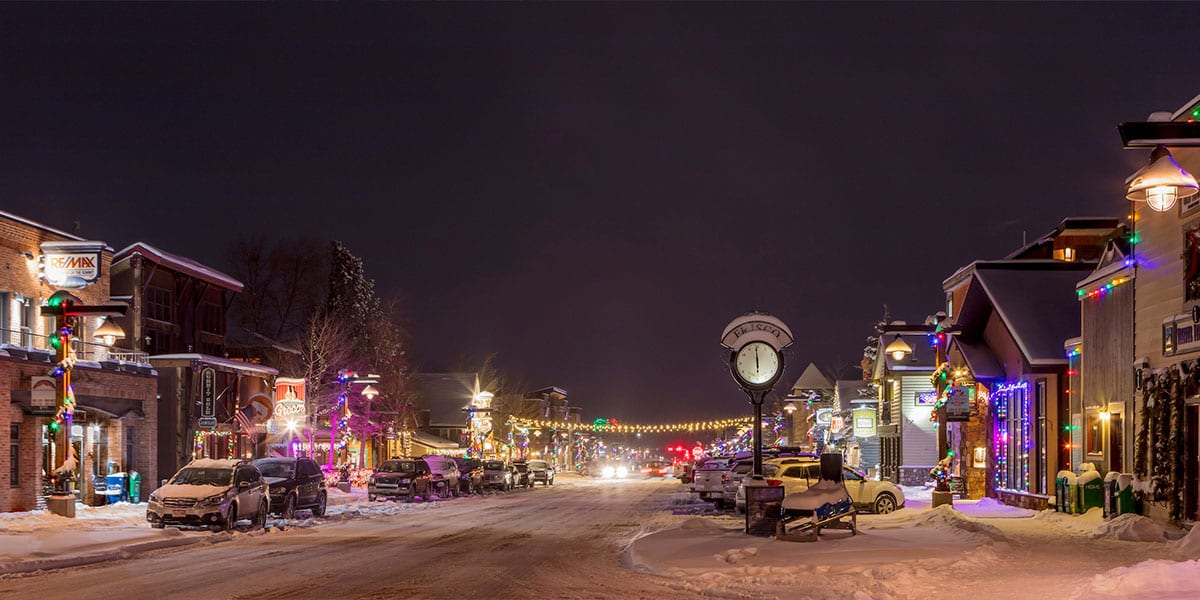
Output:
x,y
756,367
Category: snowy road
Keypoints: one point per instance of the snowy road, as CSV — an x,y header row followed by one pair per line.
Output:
x,y
561,541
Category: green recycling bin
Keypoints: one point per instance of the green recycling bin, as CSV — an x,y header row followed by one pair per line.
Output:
x,y
1091,491
1123,500
1062,494
135,487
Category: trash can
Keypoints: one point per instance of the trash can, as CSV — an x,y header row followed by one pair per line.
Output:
x,y
1124,502
1110,494
1071,491
1091,490
135,487
764,506
116,484
1062,497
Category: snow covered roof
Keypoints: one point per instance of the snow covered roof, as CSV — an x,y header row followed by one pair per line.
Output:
x,y
236,365
432,441
1038,306
812,379
240,337
979,359
214,463
178,263
46,228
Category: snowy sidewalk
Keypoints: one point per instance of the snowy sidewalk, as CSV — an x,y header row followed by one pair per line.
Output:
x,y
976,546
40,540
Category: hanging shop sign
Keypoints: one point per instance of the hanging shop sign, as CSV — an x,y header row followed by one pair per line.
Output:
x,y
958,403
208,398
926,399
1180,334
43,396
70,265
824,417
289,405
864,422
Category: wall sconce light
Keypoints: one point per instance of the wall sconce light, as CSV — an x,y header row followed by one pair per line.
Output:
x,y
1104,415
1162,182
898,349
979,457
109,332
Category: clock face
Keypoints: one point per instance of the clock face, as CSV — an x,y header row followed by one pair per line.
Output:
x,y
756,363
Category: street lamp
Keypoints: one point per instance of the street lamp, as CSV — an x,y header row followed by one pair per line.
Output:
x,y
109,332
1162,182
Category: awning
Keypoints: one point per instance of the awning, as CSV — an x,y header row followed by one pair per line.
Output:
x,y
432,441
113,407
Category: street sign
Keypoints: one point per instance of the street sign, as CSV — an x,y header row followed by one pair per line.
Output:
x,y
208,394
208,422
43,395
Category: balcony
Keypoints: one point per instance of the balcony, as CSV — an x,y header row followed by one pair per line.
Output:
x,y
27,341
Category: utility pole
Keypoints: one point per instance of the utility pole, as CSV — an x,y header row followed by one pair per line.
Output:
x,y
66,310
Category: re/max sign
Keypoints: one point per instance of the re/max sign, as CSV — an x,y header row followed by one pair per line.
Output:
x,y
71,262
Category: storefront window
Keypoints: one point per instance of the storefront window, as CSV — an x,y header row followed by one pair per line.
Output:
x,y
1012,436
1094,434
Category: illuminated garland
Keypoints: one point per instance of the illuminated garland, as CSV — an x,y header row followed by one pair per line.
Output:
x,y
199,438
1103,289
602,426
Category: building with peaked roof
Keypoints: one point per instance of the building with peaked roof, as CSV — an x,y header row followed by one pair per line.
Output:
x,y
908,446
1010,319
813,390
440,404
176,305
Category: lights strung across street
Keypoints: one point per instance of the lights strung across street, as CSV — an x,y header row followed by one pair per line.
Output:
x,y
638,428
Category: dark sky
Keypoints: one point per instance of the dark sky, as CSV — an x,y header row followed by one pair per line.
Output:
x,y
594,191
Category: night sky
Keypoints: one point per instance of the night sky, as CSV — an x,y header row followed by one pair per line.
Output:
x,y
594,191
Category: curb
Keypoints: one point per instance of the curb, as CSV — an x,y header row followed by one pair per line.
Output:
x,y
54,564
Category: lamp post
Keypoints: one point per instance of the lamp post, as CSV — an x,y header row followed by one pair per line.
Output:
x,y
790,409
369,393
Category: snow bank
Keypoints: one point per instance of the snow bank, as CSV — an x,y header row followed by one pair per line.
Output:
x,y
1131,528
946,516
1189,546
1157,579
87,518
1085,524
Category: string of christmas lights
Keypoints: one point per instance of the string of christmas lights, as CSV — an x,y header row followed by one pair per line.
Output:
x,y
612,427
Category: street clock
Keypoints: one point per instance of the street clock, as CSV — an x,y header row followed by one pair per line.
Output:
x,y
757,366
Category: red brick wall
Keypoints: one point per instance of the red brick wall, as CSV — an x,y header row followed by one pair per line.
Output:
x,y
14,375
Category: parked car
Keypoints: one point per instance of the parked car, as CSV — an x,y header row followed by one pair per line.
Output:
x,y
655,468
683,471
444,475
542,471
710,479
470,475
741,471
210,493
795,475
294,483
406,478
497,475
522,477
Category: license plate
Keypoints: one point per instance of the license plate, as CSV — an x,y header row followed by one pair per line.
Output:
x,y
178,513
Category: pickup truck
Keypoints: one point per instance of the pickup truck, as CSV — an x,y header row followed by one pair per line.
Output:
x,y
710,479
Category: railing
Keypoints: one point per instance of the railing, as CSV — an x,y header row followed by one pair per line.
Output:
x,y
25,339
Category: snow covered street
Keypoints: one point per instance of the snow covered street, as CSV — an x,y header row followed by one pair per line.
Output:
x,y
585,538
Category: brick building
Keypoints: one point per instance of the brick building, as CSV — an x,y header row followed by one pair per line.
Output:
x,y
115,423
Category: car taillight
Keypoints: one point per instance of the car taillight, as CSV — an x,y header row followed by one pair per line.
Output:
x,y
645,470
774,482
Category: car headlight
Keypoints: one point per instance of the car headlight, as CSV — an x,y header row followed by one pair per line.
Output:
x,y
608,472
370,481
212,500
622,471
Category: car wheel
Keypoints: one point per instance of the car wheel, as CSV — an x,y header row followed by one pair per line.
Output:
x,y
319,509
289,507
230,520
885,504
260,517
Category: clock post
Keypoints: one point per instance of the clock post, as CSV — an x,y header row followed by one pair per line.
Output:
x,y
755,342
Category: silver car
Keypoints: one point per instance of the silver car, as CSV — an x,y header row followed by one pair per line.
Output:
x,y
211,493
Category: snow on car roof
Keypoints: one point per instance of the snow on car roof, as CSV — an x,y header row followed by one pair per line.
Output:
x,y
214,463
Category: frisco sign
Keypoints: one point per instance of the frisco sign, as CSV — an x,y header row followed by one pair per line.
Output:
x,y
70,265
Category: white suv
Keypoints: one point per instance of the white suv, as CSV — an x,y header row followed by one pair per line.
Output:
x,y
444,475
211,493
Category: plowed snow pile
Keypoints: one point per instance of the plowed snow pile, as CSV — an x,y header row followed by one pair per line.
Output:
x,y
946,516
1131,528
1189,546
1159,579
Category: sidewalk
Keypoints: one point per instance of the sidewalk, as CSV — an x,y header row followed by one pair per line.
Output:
x,y
40,540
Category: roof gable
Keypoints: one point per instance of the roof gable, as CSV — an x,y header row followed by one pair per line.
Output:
x,y
1038,307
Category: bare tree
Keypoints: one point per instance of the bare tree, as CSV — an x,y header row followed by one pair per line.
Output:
x,y
284,281
325,347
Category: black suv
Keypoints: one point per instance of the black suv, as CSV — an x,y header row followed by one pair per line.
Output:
x,y
295,484
470,475
400,478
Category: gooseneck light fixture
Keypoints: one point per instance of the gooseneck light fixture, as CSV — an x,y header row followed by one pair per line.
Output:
x,y
1162,182
898,349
